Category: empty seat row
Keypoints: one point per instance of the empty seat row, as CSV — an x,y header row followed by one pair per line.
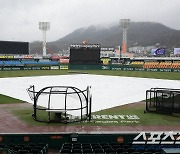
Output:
x,y
11,63
40,148
137,63
151,64
87,148
175,65
105,148
27,62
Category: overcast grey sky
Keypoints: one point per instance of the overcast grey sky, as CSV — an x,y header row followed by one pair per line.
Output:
x,y
19,19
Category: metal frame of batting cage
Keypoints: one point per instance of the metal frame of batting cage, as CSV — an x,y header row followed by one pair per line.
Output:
x,y
163,100
85,93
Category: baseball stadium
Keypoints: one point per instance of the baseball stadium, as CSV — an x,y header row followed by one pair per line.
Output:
x,y
88,102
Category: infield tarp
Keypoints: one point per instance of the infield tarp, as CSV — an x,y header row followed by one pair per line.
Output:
x,y
107,91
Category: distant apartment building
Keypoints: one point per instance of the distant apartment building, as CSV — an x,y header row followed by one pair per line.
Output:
x,y
140,49
108,52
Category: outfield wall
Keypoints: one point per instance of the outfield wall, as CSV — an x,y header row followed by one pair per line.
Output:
x,y
89,67
119,68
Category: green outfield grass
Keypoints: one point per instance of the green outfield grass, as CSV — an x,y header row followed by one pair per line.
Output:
x,y
142,74
8,100
145,119
24,73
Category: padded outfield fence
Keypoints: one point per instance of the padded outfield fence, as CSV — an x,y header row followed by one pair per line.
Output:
x,y
163,100
88,67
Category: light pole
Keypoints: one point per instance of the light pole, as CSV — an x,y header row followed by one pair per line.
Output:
x,y
119,54
124,24
44,26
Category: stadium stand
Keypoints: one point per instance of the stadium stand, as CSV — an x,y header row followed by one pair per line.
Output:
x,y
79,143
1,63
175,65
88,148
27,62
47,62
110,148
137,63
151,64
39,148
12,63
165,65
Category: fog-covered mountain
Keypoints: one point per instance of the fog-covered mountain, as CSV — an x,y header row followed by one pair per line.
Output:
x,y
139,34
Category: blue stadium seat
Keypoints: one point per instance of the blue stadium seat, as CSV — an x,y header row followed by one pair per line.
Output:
x,y
1,63
29,62
12,63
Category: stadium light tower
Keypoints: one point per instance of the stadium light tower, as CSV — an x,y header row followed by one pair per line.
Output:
x,y
44,26
124,23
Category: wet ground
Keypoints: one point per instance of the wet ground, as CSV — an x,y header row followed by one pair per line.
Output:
x,y
11,124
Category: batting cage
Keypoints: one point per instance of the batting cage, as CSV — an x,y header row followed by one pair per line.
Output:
x,y
63,104
163,100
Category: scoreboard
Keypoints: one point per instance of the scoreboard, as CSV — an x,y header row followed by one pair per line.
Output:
x,y
12,47
85,54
